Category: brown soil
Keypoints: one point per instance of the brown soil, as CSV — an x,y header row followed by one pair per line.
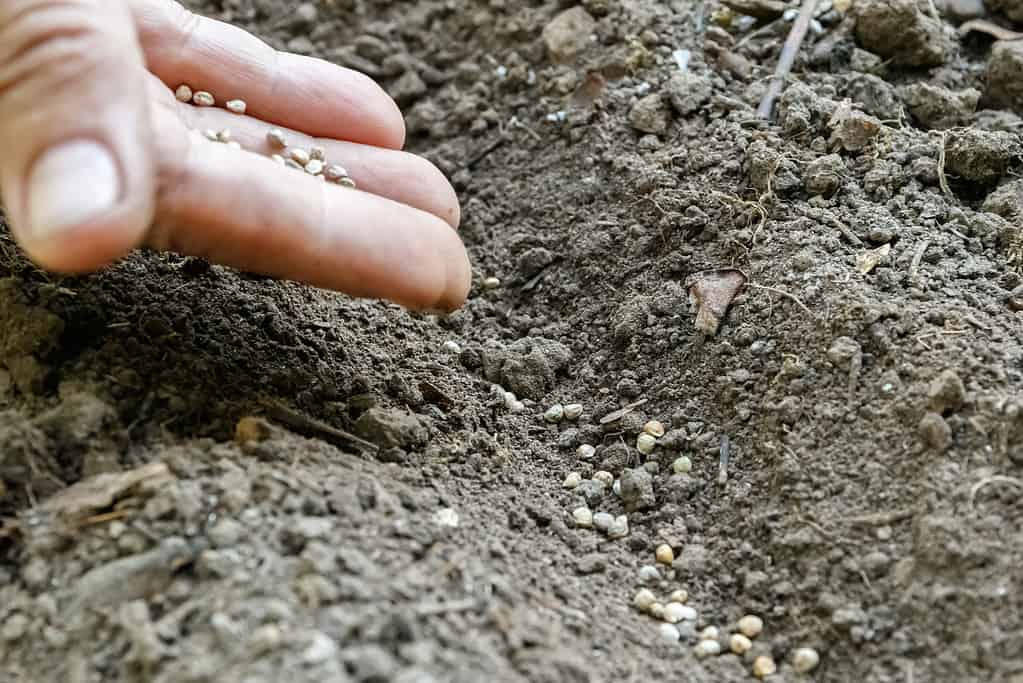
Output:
x,y
872,421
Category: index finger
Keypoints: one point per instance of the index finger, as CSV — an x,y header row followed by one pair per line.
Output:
x,y
303,93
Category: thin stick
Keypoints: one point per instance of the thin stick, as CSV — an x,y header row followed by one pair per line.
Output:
x,y
788,57
312,427
786,295
942,179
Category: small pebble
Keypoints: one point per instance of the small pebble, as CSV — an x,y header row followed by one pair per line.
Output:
x,y
645,443
320,649
554,414
446,517
674,613
764,666
183,93
664,554
669,634
603,521
572,480
644,599
491,283
299,156
619,528
682,465
585,451
657,610
236,106
334,172
751,625
680,596
649,574
203,99
707,648
710,633
452,347
573,411
739,644
654,429
805,659
317,153
314,167
583,517
275,136
606,478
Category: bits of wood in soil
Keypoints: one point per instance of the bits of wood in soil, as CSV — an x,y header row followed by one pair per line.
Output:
x,y
712,293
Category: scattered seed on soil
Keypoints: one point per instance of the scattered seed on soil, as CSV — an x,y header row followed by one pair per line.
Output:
x,y
573,411
334,172
710,633
751,625
572,480
299,156
644,599
654,429
314,167
585,451
583,517
669,634
664,554
805,659
554,414
680,596
491,283
317,153
203,99
606,478
183,93
276,138
682,465
707,648
657,610
739,644
764,666
236,106
645,443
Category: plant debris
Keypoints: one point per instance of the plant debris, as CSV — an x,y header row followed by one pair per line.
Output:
x,y
712,292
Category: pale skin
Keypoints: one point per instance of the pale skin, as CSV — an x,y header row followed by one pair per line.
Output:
x,y
101,74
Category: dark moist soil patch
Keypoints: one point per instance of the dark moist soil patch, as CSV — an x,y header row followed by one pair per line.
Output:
x,y
871,422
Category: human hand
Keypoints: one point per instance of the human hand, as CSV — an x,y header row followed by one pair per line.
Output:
x,y
99,157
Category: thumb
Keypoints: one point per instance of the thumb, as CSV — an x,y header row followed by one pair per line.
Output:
x,y
77,173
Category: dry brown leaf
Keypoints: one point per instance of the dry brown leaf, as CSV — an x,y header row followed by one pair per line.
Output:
x,y
868,260
712,291
103,490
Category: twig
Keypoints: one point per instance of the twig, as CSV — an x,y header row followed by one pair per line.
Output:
x,y
918,256
313,427
785,294
997,479
942,179
788,57
725,453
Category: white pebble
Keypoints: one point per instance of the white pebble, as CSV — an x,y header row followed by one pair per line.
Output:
x,y
491,283
751,625
805,659
680,596
644,599
554,414
573,411
446,517
203,99
452,347
649,574
314,167
739,644
707,648
604,477
603,521
682,465
710,633
669,634
684,612
585,451
619,528
654,429
183,93
645,443
236,106
275,136
572,480
320,650
674,612
583,517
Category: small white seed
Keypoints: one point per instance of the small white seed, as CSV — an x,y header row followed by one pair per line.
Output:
x,y
675,612
805,659
236,106
334,172
203,99
583,517
664,554
710,633
604,477
554,414
585,451
299,155
234,144
644,599
317,153
654,429
278,159
572,480
764,666
346,182
751,625
680,596
450,345
669,634
645,443
573,411
491,283
183,93
657,610
682,465
314,167
707,648
275,136
739,644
